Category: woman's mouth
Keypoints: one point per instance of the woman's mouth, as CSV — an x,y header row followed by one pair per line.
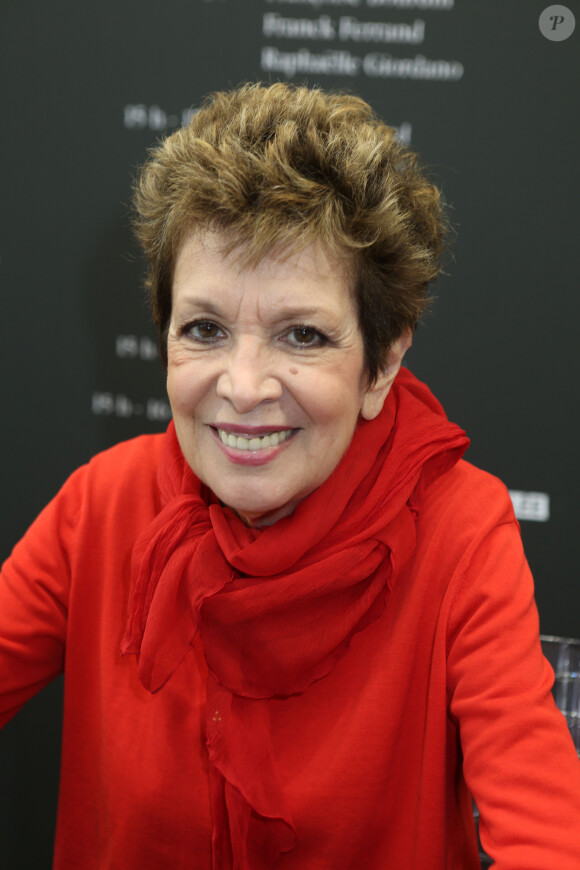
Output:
x,y
259,446
241,441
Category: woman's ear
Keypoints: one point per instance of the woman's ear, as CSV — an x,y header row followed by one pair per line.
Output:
x,y
374,398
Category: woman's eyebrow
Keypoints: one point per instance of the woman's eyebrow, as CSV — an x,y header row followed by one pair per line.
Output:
x,y
287,312
206,304
299,312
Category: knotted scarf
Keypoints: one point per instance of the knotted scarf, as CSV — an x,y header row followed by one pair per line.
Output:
x,y
277,607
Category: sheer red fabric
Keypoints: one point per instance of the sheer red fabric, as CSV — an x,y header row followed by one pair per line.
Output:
x,y
277,607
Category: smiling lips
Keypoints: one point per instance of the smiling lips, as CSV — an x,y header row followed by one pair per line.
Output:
x,y
253,442
258,446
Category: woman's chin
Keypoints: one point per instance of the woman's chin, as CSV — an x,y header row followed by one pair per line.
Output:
x,y
255,516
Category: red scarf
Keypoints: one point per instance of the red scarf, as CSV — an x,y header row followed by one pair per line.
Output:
x,y
277,607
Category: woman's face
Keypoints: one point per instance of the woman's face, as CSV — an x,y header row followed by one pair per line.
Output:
x,y
265,374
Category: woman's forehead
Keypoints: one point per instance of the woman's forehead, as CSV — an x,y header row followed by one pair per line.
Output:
x,y
218,251
262,248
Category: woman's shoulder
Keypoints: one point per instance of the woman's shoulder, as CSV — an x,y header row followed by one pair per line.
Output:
x,y
122,477
472,492
466,527
142,453
104,503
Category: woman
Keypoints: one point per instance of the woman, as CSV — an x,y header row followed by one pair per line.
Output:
x,y
327,626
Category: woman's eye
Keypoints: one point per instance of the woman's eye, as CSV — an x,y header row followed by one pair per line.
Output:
x,y
306,336
204,330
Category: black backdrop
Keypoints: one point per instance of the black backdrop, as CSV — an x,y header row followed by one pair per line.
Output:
x,y
474,85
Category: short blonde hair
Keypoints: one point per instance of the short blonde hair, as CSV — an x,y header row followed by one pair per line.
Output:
x,y
279,167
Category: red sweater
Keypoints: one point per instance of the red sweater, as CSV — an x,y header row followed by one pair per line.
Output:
x,y
446,691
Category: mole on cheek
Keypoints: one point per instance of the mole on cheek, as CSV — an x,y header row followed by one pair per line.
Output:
x,y
293,371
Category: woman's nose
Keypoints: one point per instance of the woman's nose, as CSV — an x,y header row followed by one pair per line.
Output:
x,y
246,379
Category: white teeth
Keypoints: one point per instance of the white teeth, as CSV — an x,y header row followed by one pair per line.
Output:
x,y
241,443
